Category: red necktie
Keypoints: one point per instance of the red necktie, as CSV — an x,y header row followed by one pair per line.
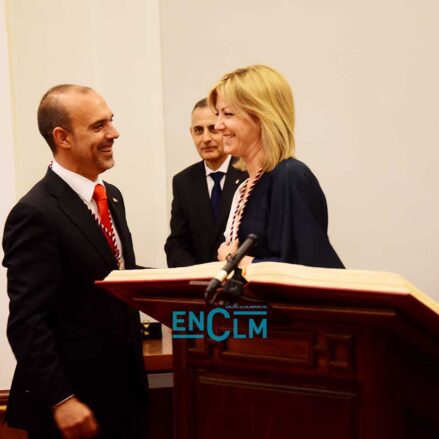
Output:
x,y
100,197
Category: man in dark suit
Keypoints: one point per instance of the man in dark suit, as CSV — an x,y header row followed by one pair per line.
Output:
x,y
79,355
201,201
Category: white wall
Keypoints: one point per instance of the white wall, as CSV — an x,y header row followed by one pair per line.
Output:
x,y
365,79
113,46
7,198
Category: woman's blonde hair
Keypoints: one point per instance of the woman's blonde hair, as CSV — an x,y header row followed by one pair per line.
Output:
x,y
264,94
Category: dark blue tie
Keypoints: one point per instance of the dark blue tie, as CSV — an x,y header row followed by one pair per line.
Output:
x,y
215,196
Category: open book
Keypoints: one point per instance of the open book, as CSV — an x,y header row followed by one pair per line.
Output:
x,y
278,273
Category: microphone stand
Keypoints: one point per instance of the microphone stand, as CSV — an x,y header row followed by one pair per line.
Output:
x,y
231,289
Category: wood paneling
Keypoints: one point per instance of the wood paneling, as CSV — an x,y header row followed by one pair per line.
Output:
x,y
270,410
5,431
338,364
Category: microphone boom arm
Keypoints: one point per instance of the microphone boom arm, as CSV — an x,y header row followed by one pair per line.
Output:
x,y
231,265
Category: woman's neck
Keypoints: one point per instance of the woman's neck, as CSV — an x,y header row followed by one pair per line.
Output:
x,y
254,161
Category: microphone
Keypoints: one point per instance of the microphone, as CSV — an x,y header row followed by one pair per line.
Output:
x,y
232,264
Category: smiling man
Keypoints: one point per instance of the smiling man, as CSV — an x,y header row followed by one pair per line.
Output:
x,y
202,195
79,357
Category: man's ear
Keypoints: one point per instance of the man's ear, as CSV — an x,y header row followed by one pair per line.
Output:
x,y
61,137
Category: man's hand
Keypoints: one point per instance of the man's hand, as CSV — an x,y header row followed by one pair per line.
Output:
x,y
75,420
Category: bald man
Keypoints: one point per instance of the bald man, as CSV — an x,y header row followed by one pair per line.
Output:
x,y
79,357
202,195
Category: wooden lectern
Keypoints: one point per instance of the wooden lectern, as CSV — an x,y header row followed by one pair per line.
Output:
x,y
337,364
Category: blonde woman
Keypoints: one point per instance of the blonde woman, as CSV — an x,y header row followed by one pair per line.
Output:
x,y
281,202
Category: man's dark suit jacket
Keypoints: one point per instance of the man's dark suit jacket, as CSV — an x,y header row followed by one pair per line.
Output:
x,y
195,235
68,336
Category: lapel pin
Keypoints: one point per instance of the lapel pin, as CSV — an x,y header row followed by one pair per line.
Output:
x,y
237,181
115,200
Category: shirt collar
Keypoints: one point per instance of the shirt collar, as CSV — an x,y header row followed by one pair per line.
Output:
x,y
81,185
223,168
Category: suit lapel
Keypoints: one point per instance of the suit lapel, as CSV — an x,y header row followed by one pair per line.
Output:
x,y
201,196
77,212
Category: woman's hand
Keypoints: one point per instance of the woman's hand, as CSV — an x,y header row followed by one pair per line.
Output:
x,y
246,260
225,250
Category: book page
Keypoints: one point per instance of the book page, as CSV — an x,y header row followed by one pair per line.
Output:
x,y
277,272
285,274
200,271
291,274
341,279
